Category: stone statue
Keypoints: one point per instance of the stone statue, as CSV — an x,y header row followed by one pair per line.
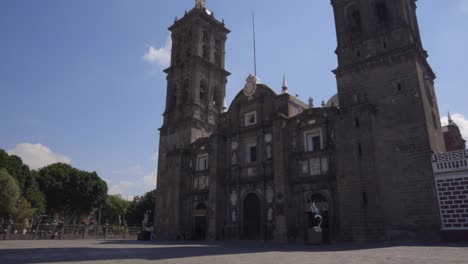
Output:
x,y
268,152
234,158
233,198
314,209
200,3
270,214
234,215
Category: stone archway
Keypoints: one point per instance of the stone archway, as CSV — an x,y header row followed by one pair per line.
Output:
x,y
251,228
200,222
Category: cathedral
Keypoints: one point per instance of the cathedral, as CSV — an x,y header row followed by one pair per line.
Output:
x,y
272,167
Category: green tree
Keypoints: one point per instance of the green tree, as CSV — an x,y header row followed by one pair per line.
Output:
x,y
69,191
15,167
114,207
23,211
9,193
139,206
26,179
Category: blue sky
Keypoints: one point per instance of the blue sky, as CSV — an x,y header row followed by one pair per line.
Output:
x,y
76,86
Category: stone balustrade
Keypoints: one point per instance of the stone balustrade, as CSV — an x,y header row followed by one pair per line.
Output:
x,y
450,161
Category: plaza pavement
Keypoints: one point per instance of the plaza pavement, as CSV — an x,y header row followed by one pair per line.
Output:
x,y
120,252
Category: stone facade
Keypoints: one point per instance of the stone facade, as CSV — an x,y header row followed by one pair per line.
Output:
x,y
262,168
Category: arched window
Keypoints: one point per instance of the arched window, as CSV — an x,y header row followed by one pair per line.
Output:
x,y
203,90
173,97
382,12
185,91
355,22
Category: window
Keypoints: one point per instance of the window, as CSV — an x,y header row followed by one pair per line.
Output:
x,y
382,15
251,151
314,166
250,118
356,123
202,162
217,59
206,52
203,87
312,141
205,36
355,23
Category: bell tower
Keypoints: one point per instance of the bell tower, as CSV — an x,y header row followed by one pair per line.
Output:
x,y
388,124
196,88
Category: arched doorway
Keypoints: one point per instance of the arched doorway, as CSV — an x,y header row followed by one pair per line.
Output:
x,y
251,217
318,205
200,222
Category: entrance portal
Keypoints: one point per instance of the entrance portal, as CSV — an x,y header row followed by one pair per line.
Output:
x,y
200,222
251,217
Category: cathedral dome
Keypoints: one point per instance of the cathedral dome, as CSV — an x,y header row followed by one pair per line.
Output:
x,y
333,101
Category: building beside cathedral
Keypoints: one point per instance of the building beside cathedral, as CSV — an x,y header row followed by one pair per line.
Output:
x,y
265,166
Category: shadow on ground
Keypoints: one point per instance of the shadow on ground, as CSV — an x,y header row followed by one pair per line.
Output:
x,y
104,250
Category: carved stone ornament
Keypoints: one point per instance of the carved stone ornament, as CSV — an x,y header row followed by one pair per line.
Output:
x,y
268,138
233,198
269,195
251,85
234,145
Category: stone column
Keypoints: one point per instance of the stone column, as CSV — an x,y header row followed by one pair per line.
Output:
x,y
279,179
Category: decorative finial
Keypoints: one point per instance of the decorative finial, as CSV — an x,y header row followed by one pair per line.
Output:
x,y
450,120
284,86
200,3
297,93
311,102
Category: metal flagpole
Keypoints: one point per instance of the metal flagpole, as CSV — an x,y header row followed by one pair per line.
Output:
x,y
254,44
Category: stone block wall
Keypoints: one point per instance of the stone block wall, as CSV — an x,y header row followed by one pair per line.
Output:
x,y
453,200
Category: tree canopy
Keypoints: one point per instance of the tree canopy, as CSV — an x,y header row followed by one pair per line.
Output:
x,y
9,193
25,178
70,191
114,207
139,206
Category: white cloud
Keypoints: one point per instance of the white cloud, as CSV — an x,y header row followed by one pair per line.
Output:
x,y
37,155
159,56
461,122
140,186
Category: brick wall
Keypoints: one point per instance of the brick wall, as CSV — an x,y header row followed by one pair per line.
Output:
x,y
452,190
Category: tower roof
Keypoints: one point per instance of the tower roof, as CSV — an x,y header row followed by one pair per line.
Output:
x,y
450,120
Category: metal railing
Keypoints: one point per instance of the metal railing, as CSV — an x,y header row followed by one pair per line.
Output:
x,y
57,231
